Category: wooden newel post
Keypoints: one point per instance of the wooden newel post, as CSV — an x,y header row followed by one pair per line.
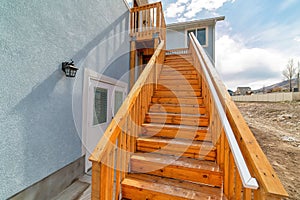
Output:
x,y
96,182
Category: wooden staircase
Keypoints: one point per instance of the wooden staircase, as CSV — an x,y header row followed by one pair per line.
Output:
x,y
174,155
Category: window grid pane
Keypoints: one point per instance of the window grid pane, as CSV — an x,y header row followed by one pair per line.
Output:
x,y
118,101
201,36
100,106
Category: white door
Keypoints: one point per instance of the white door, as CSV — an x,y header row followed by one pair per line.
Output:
x,y
103,100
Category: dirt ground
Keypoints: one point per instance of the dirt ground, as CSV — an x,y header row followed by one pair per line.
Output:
x,y
276,127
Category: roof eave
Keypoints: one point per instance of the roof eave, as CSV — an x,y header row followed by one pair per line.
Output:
x,y
190,24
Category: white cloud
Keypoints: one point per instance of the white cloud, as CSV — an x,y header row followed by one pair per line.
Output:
x,y
297,38
239,65
175,9
195,6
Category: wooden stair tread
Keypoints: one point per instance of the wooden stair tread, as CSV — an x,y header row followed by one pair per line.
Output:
x,y
177,161
178,100
181,168
177,147
175,108
174,126
178,114
186,87
176,131
173,118
176,93
141,187
181,142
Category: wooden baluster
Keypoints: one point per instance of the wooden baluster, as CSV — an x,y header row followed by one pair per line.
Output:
x,y
119,160
247,195
104,171
231,176
110,178
222,150
127,141
157,18
238,186
226,168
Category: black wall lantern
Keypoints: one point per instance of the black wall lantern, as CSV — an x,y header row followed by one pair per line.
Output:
x,y
69,68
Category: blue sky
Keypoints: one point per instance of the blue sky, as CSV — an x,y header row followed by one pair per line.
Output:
x,y
255,41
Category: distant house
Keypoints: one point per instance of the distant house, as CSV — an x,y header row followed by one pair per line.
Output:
x,y
243,91
204,30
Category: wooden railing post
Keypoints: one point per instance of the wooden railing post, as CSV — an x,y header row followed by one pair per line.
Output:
x,y
132,62
96,181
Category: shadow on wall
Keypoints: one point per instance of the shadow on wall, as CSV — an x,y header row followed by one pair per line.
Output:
x,y
49,133
104,35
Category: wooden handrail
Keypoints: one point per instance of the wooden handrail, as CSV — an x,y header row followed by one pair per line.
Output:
x,y
259,166
110,158
247,180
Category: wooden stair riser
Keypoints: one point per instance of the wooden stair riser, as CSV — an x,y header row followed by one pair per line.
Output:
x,y
179,58
167,132
181,68
175,73
176,119
169,108
178,76
179,87
178,82
177,93
181,172
182,101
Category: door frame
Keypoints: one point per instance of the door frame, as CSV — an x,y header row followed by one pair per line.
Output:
x,y
88,75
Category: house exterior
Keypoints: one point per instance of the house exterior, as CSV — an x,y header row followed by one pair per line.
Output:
x,y
40,108
204,30
243,91
52,125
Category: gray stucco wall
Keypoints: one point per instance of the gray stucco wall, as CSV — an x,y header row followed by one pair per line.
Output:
x,y
177,39
37,130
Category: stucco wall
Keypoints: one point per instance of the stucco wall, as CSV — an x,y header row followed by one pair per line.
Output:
x,y
37,129
177,39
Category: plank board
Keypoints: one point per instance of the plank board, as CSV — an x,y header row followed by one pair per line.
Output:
x,y
183,119
188,169
186,87
177,82
177,93
181,101
177,147
175,108
175,131
141,187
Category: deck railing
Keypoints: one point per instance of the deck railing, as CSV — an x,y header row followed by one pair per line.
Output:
x,y
177,51
147,22
238,153
110,159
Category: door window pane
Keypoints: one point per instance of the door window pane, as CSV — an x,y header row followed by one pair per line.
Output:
x,y
118,101
100,106
201,36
